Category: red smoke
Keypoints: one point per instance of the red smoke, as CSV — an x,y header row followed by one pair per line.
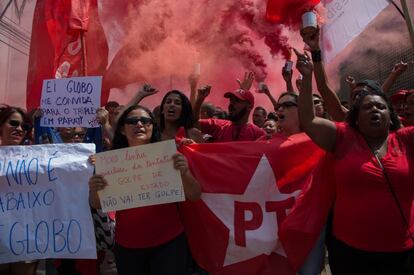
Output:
x,y
160,41
288,12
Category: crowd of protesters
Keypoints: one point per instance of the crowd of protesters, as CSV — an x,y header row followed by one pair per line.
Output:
x,y
371,143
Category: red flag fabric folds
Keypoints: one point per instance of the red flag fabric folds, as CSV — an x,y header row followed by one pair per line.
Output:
x,y
59,44
248,189
288,12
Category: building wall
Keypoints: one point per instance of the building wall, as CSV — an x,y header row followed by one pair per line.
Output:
x,y
14,63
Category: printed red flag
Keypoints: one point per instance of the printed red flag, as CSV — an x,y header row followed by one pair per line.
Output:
x,y
302,226
248,190
60,35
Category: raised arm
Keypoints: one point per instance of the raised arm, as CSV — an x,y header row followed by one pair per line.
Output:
x,y
397,70
330,98
143,92
287,76
202,94
102,115
247,81
193,81
267,92
320,130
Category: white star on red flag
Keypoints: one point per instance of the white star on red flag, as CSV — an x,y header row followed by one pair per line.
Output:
x,y
263,194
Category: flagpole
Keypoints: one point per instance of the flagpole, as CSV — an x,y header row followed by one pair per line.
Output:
x,y
408,21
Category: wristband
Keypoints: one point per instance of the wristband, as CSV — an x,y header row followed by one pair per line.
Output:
x,y
316,56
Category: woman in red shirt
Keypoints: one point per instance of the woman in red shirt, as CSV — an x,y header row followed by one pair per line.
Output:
x,y
15,127
373,220
148,240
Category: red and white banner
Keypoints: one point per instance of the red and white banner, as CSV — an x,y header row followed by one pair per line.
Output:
x,y
248,190
345,20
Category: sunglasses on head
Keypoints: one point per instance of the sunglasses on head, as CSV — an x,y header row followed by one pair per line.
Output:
x,y
286,104
135,120
25,126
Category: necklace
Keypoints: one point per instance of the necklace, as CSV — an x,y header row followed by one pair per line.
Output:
x,y
377,151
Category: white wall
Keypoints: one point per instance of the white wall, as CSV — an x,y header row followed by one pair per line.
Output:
x,y
13,64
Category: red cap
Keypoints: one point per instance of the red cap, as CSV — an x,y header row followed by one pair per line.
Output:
x,y
399,95
241,94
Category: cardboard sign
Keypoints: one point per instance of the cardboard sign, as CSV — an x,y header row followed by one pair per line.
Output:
x,y
139,176
44,202
71,102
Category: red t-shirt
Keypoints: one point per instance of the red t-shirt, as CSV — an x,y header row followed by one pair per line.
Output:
x,y
366,216
224,130
405,122
147,226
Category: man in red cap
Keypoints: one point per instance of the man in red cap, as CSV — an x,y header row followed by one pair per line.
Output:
x,y
237,128
397,101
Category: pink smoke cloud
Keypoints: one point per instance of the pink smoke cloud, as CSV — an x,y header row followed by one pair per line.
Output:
x,y
160,41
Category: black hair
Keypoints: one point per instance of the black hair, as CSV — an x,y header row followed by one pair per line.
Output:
x,y
208,108
111,104
295,96
353,113
186,118
120,140
272,116
260,108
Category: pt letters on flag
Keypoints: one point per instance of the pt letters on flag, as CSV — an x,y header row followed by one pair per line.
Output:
x,y
248,190
44,202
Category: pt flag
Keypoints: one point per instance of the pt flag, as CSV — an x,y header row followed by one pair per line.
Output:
x,y
248,191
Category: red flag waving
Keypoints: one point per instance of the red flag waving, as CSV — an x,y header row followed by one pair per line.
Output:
x,y
248,189
288,12
59,44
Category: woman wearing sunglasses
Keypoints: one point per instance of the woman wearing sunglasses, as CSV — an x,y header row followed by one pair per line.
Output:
x,y
287,114
15,128
148,240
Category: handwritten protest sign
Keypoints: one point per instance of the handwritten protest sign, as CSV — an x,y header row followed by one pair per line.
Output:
x,y
44,206
139,176
71,102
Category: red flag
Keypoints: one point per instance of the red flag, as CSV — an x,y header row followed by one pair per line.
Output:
x,y
301,228
288,12
248,189
59,44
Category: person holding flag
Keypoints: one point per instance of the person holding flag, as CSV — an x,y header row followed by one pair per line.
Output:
x,y
148,240
372,162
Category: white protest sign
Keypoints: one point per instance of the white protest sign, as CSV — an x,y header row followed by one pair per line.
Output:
x,y
44,202
346,20
71,102
139,176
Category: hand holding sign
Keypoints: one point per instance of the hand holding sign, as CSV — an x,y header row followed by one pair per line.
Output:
x,y
71,102
139,176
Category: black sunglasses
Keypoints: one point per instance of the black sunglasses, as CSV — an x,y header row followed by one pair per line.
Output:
x,y
25,126
135,120
79,134
286,104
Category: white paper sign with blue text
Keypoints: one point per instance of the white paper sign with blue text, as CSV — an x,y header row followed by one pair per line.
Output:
x,y
44,205
71,102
